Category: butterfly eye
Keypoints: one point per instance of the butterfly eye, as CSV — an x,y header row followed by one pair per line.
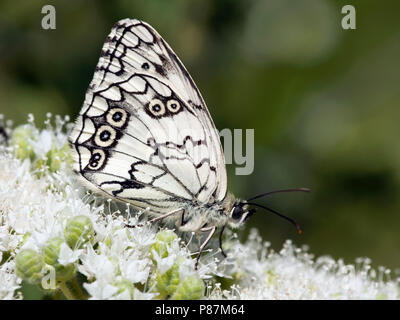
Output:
x,y
105,136
173,106
117,117
156,107
97,159
237,212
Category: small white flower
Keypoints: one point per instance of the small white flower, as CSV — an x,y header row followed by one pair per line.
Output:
x,y
124,295
43,142
139,295
8,241
8,281
135,270
67,255
96,266
100,290
143,237
163,264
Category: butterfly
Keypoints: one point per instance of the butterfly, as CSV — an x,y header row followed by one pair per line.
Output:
x,y
3,133
145,136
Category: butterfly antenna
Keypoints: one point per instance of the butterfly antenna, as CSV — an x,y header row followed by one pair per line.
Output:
x,y
279,191
278,214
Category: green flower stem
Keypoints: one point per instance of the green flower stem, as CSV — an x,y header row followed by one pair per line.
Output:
x,y
78,289
66,291
57,295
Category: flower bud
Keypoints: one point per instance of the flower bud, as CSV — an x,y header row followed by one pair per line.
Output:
x,y
164,240
20,142
78,231
125,285
191,288
167,283
381,296
270,277
29,265
53,159
108,241
51,253
56,156
40,166
65,154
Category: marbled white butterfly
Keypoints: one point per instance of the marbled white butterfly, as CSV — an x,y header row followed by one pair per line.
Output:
x,y
145,136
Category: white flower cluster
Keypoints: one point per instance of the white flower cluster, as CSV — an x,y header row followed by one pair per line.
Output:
x,y
52,230
293,273
42,207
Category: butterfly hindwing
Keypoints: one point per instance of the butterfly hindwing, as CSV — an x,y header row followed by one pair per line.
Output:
x,y
144,134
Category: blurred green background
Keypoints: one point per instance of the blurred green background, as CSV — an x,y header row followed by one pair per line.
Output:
x,y
324,102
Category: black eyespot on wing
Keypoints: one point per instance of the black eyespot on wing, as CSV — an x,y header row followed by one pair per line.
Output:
x,y
94,163
173,106
97,160
155,108
117,116
105,135
96,156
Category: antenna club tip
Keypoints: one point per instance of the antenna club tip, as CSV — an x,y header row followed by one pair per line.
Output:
x,y
305,189
300,232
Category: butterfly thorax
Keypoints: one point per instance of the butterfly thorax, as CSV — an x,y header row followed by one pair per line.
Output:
x,y
199,216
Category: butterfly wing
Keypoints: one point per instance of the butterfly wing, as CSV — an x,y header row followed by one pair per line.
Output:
x,y
144,134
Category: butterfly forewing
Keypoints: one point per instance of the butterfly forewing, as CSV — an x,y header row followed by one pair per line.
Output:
x,y
144,134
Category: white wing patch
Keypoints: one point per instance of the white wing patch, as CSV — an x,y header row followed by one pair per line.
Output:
x,y
144,134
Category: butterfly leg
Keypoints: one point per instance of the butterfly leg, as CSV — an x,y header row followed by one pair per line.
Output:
x,y
157,218
183,219
212,231
220,241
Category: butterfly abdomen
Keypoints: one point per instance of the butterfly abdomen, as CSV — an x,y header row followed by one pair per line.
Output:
x,y
198,216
